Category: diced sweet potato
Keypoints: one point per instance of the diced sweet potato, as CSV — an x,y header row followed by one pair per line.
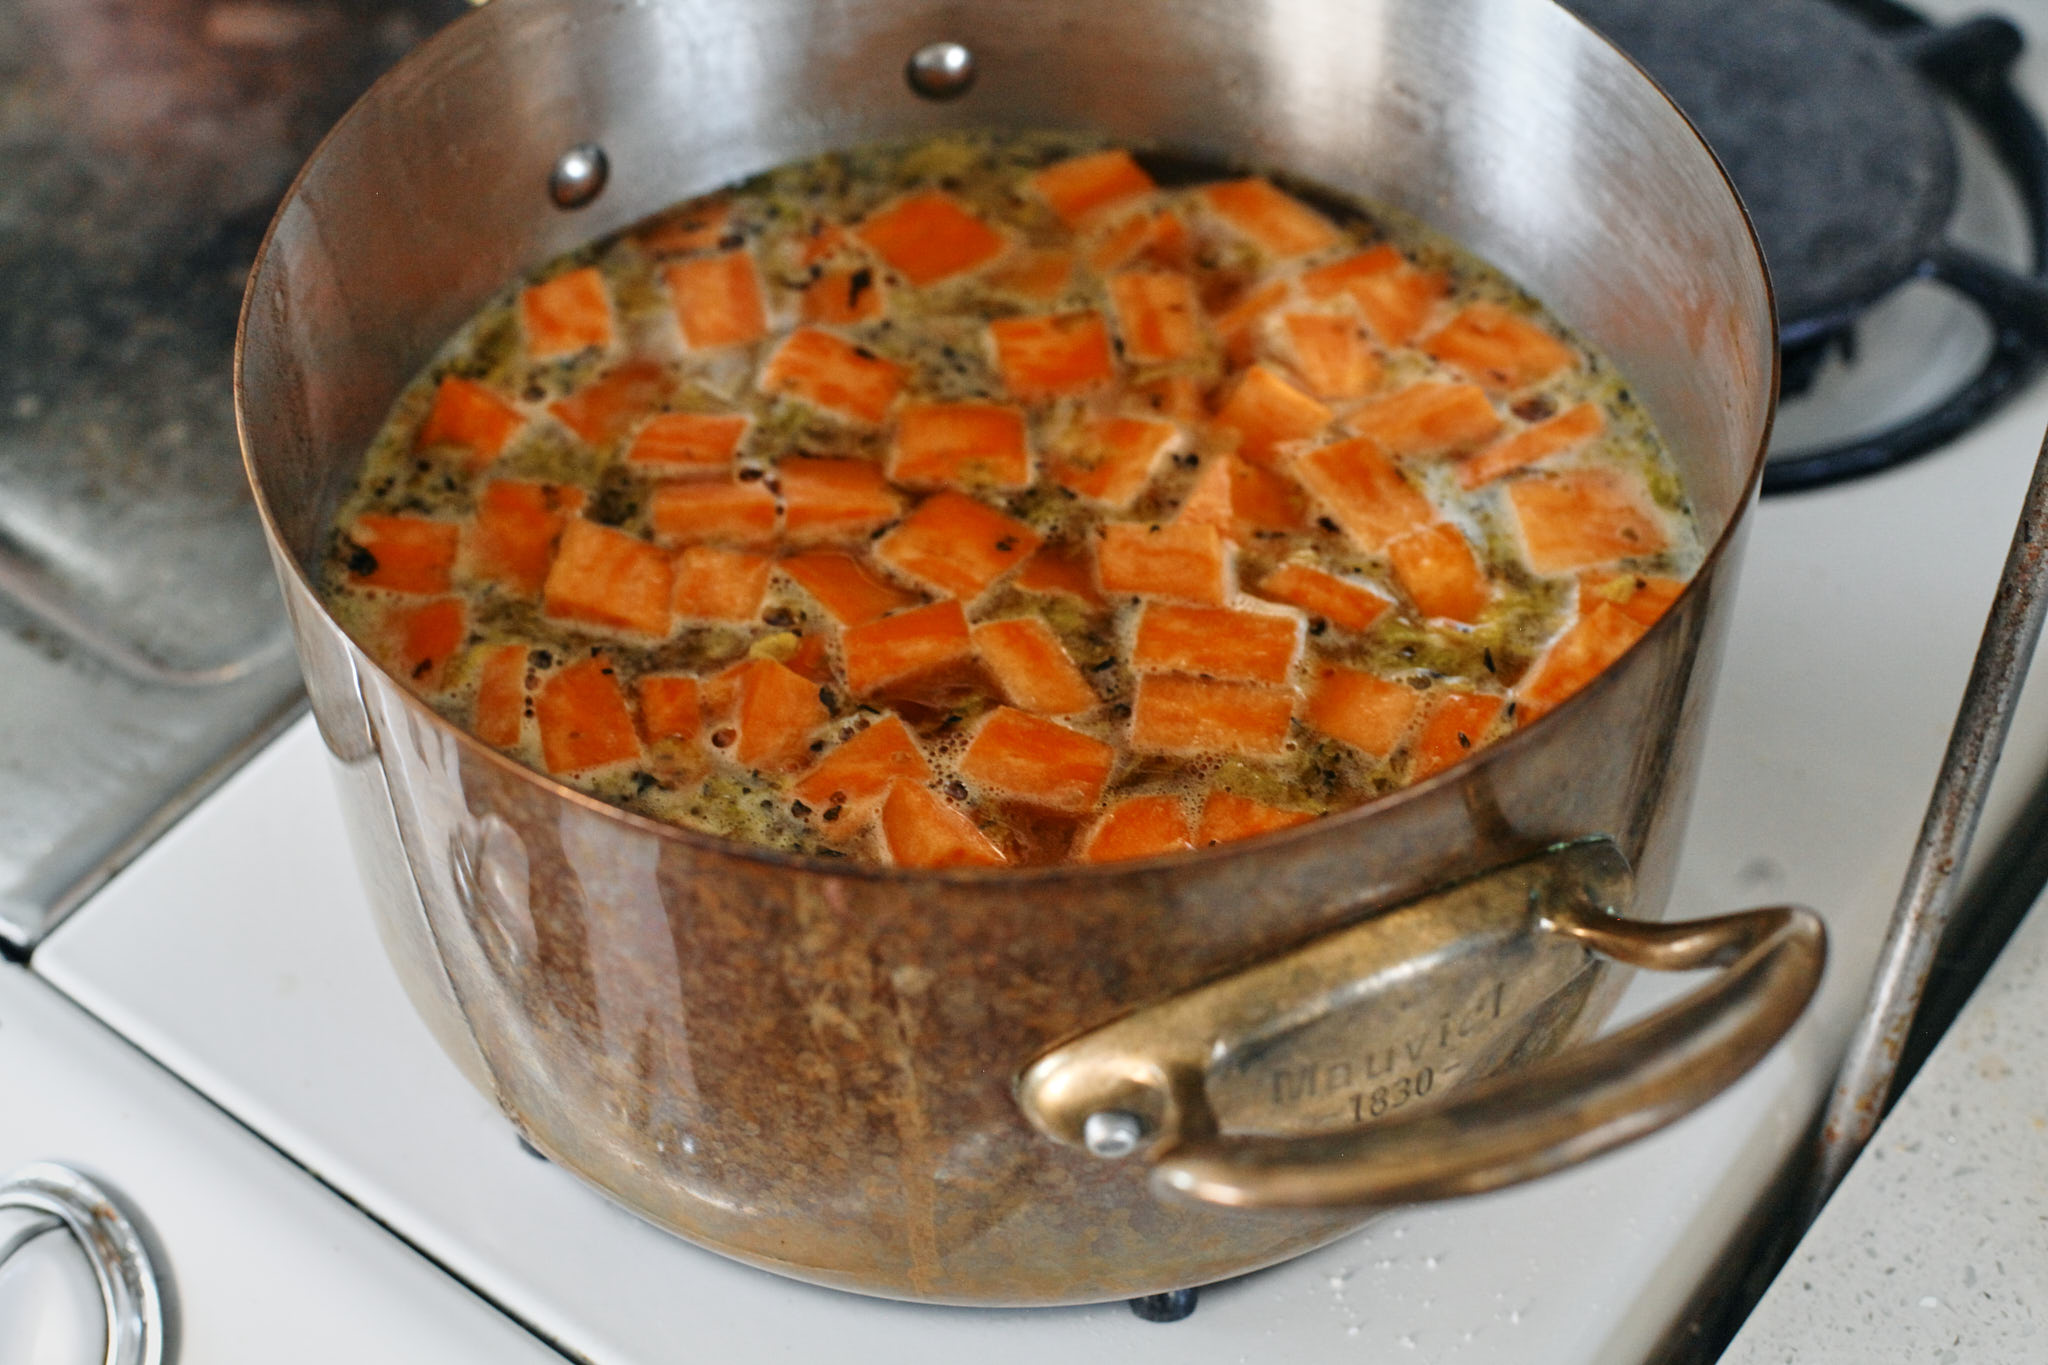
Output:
x,y
602,412
1398,304
1263,499
1064,571
401,553
920,830
1047,355
1031,667
1157,315
500,712
714,584
1457,724
960,445
1227,817
1437,570
1185,562
810,658
1080,186
842,585
583,719
1568,430
1577,518
688,443
467,415
1138,827
511,540
1237,325
1242,646
1111,459
605,577
927,237
1041,276
835,376
1266,411
956,545
842,297
1036,761
1332,355
1579,653
1274,219
696,227
1340,601
853,778
566,315
1643,597
714,512
1179,715
1158,236
1337,278
1211,498
778,711
1364,491
669,707
906,647
1428,419
424,636
1364,710
1497,348
834,501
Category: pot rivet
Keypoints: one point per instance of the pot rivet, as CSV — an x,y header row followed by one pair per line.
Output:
x,y
1112,1133
579,175
940,71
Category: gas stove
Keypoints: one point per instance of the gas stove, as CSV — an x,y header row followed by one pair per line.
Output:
x,y
214,1032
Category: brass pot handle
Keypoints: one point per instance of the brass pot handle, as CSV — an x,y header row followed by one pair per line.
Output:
x,y
1512,941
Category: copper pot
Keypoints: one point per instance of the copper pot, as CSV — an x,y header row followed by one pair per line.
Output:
x,y
966,1087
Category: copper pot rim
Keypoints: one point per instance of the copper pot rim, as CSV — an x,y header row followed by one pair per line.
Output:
x,y
1504,750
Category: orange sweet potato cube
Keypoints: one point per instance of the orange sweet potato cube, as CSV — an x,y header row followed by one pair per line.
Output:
x,y
956,545
847,783
566,315
511,539
1242,646
1157,236
1138,827
1568,430
688,443
1038,275
1457,724
424,637
1037,761
583,719
1211,500
905,648
694,227
1227,817
714,584
1274,219
1047,355
470,417
1337,279
920,830
1580,653
716,512
960,445
499,716
843,297
1364,491
1437,570
1172,714
670,707
1237,324
1263,499
833,375
778,711
602,412
1576,518
402,553
1643,597
1157,315
927,237
1428,419
605,577
1340,601
717,300
834,501
1364,710
843,586
1062,570
1332,355
1266,411
1183,561
1078,187
1111,459
1497,348
1031,667
1398,304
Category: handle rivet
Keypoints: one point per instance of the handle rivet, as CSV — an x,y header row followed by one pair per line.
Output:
x,y
579,175
1112,1133
940,71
